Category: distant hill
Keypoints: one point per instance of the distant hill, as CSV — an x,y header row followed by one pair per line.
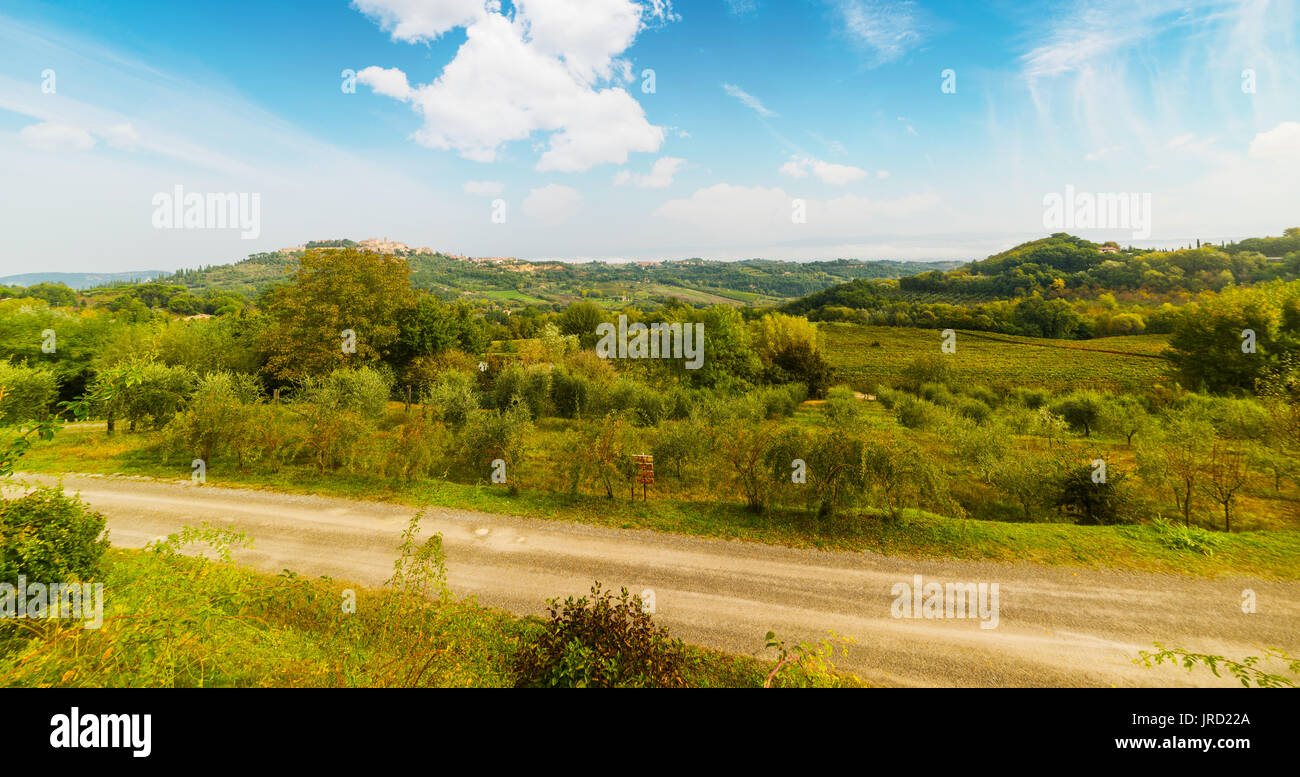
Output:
x,y
512,282
80,280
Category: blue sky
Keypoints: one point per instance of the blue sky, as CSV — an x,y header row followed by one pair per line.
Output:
x,y
463,109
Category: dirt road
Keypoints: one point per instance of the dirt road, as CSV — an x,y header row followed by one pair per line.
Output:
x,y
1055,626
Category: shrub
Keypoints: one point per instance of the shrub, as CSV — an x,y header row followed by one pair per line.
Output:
x,y
50,537
1089,502
931,368
983,394
530,386
453,399
215,414
646,406
364,391
499,434
572,394
601,642
888,397
781,401
842,406
974,409
1031,398
936,393
916,413
677,445
26,393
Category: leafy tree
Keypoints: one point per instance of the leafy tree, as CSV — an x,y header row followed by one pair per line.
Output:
x,y
581,319
1088,501
1081,410
334,291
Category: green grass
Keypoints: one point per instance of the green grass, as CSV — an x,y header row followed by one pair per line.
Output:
x,y
871,354
1268,554
214,624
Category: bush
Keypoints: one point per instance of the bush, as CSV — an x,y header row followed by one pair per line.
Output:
x,y
646,406
936,393
572,394
782,401
983,394
842,406
364,391
530,386
1088,502
215,415
453,399
499,434
916,413
931,368
28,393
974,409
1031,398
50,537
601,642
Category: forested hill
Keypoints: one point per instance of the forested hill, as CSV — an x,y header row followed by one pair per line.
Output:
x,y
753,281
1060,286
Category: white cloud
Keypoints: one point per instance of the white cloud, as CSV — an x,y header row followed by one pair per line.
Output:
x,y
50,136
749,100
1281,142
422,20
882,174
828,172
121,136
887,29
484,188
553,204
540,71
659,177
390,82
795,168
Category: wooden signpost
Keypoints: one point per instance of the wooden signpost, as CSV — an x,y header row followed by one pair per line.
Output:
x,y
645,474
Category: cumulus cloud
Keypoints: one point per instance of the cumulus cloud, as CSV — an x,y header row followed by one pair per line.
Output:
x,y
50,136
828,172
749,100
422,20
552,67
659,177
1281,142
484,188
553,204
390,82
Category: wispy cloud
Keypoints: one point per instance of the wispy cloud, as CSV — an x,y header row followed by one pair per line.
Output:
x,y
749,100
886,29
